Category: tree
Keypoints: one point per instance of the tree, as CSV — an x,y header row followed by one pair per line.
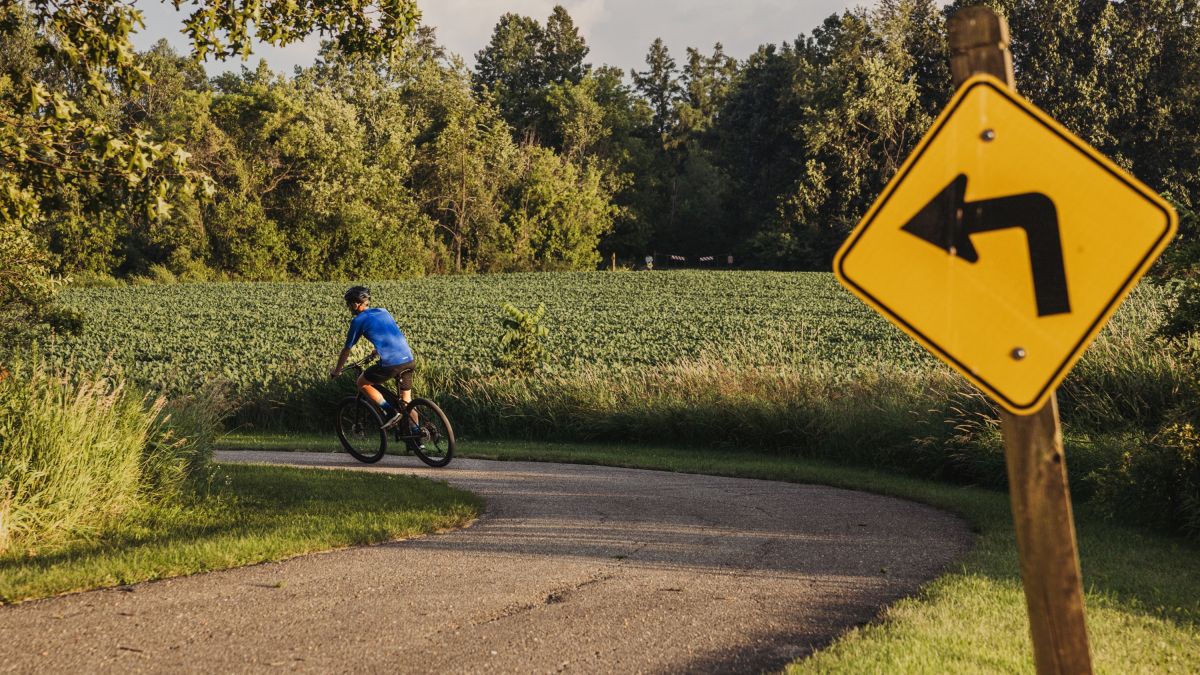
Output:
x,y
63,150
563,49
173,108
628,147
695,192
863,116
325,164
559,211
757,143
511,68
705,84
659,85
577,118
1125,76
395,238
462,173
57,136
1150,89
55,115
918,30
523,61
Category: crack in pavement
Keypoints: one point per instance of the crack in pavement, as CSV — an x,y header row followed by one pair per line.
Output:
x,y
553,597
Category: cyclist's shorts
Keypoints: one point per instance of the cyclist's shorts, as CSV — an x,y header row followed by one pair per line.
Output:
x,y
379,373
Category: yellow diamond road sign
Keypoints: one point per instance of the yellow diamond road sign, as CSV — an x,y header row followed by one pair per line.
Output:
x,y
1004,244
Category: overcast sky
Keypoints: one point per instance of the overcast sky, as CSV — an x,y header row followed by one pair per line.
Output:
x,y
618,31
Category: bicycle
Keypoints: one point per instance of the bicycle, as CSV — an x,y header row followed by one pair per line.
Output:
x,y
359,425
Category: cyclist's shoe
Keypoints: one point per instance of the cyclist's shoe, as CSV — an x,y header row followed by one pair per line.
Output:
x,y
393,417
415,443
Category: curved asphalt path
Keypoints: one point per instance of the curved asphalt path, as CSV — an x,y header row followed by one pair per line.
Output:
x,y
572,568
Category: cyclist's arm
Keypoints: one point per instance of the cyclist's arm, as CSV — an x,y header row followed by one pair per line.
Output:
x,y
341,363
352,336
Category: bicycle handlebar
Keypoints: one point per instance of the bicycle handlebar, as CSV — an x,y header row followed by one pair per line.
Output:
x,y
359,365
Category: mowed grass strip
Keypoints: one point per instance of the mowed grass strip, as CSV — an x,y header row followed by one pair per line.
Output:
x,y
1142,589
251,514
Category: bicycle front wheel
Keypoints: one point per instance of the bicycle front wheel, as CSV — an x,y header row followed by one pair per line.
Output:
x,y
435,443
360,429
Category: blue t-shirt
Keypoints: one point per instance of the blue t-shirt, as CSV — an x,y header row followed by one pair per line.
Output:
x,y
380,328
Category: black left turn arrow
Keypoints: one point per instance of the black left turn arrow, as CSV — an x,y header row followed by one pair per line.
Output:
x,y
948,222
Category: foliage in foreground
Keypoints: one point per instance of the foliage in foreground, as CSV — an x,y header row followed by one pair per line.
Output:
x,y
1180,271
79,452
521,349
103,485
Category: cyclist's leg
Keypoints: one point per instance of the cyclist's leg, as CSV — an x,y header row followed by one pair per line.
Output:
x,y
366,384
404,384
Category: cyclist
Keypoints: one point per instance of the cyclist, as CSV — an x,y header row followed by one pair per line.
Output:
x,y
395,356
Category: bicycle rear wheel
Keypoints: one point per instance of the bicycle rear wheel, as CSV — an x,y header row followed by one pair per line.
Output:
x,y
435,445
360,429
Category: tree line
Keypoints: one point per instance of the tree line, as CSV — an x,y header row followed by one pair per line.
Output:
x,y
393,158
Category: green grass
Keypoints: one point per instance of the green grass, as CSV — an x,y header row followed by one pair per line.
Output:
x,y
1142,590
252,514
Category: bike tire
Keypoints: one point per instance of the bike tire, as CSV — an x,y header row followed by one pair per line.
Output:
x,y
360,429
435,446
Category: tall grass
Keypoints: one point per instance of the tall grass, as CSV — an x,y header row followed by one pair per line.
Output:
x,y
79,450
879,416
1131,414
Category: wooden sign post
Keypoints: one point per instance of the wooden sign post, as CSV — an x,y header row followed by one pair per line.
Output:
x,y
938,255
1033,448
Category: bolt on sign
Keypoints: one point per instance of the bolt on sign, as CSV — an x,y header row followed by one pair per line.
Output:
x,y
1004,244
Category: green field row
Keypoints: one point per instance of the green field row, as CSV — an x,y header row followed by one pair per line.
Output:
x,y
257,334
177,334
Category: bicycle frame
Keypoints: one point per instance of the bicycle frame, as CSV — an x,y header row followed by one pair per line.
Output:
x,y
400,431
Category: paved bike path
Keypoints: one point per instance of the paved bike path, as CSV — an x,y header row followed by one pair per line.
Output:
x,y
572,568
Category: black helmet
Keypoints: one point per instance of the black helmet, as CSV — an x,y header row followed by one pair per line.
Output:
x,y
357,294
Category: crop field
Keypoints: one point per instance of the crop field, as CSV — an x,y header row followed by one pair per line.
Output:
x,y
177,335
256,335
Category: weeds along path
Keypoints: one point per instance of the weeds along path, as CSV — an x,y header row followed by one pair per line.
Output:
x,y
571,567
